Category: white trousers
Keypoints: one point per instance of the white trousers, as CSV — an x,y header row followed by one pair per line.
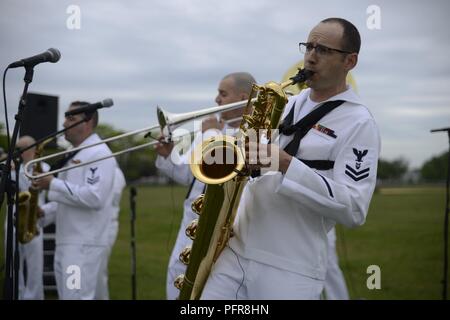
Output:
x,y
32,254
77,268
102,292
234,277
335,287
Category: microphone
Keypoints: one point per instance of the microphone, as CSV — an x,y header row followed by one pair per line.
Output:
x,y
90,108
51,55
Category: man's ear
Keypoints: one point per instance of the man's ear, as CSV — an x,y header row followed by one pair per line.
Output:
x,y
350,61
90,123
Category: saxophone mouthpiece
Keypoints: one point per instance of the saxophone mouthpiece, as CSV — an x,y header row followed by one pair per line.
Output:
x,y
301,76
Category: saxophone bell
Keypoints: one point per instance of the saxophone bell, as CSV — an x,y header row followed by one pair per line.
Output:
x,y
219,159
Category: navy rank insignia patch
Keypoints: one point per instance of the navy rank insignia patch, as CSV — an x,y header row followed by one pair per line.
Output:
x,y
355,173
93,179
359,154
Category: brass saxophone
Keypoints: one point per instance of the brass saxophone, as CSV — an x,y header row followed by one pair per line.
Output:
x,y
225,182
23,213
29,203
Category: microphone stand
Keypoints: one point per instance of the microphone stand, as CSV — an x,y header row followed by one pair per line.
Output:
x,y
446,218
10,289
133,194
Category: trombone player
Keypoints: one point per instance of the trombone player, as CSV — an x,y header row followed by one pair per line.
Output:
x,y
233,87
80,200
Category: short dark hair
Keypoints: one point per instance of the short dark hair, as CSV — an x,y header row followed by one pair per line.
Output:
x,y
351,40
84,103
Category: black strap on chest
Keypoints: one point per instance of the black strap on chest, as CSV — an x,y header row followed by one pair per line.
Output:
x,y
62,162
191,186
301,128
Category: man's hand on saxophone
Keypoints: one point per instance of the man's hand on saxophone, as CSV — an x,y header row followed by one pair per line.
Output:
x,y
42,183
260,155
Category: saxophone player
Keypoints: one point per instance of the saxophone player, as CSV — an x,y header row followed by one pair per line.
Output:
x,y
327,154
31,286
233,87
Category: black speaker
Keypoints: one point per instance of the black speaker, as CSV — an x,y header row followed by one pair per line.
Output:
x,y
40,117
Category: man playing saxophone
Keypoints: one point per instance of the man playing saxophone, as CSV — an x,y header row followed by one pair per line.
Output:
x,y
31,252
233,87
326,154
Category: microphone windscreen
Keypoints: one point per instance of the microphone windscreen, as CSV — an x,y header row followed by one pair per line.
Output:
x,y
55,55
107,103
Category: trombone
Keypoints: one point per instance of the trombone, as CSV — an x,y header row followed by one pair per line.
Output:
x,y
168,122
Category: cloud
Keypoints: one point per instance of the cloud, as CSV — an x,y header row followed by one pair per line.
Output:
x,y
173,53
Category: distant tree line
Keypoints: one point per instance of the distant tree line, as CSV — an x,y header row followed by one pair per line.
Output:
x,y
135,164
436,168
392,170
433,170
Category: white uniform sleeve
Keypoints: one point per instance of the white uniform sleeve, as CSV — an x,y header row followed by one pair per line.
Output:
x,y
119,184
93,193
180,173
24,182
346,196
49,217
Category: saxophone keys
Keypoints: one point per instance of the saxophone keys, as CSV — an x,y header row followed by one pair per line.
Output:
x,y
192,229
185,255
178,283
197,205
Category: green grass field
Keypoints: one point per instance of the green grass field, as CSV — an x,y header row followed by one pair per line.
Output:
x,y
403,235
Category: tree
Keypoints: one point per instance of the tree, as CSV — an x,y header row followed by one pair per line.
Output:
x,y
392,170
135,164
3,137
435,169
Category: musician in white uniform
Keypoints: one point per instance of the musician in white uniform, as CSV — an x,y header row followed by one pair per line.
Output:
x,y
232,88
325,174
79,198
31,267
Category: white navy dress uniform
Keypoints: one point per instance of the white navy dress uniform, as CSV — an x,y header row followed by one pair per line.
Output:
x,y
279,248
176,167
79,198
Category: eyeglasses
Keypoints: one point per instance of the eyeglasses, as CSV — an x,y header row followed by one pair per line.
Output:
x,y
306,47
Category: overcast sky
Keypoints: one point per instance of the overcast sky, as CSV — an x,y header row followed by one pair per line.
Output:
x,y
173,53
